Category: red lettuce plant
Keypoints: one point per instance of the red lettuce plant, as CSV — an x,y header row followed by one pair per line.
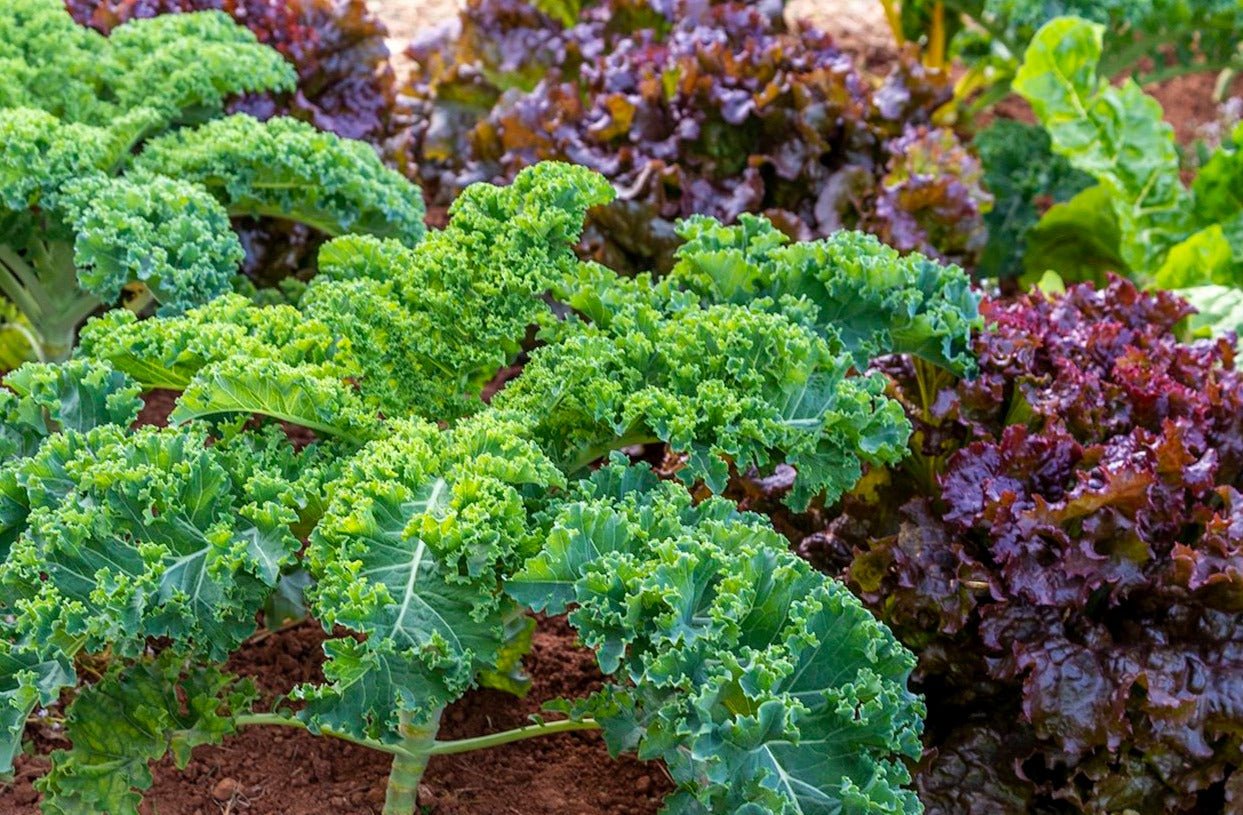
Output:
x,y
693,107
1064,551
345,86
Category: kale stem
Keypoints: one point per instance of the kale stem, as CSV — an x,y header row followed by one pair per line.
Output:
x,y
279,720
418,738
445,748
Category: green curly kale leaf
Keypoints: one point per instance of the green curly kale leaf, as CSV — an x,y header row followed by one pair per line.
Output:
x,y
27,679
118,174
134,716
422,529
285,168
718,384
171,543
417,331
111,536
170,351
165,233
860,294
177,67
40,400
763,685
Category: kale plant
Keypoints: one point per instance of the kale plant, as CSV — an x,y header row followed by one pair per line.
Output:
x,y
435,522
118,172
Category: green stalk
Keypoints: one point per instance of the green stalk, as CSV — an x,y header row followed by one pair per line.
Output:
x,y
446,748
279,720
418,738
419,744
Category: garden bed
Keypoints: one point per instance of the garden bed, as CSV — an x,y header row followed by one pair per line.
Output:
x,y
272,771
985,450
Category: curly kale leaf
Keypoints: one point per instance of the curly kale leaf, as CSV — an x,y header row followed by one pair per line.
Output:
x,y
170,351
132,717
345,83
722,383
134,535
764,686
422,527
284,168
418,330
167,233
27,678
271,388
40,154
200,60
181,67
861,295
40,400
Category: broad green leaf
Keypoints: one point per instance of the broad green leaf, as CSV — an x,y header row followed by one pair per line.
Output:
x,y
1079,240
1115,134
1203,258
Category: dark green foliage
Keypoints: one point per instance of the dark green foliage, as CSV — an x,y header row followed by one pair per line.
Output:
x,y
1025,179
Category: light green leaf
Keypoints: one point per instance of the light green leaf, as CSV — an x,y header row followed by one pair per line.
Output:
x,y
272,388
1205,257
1115,134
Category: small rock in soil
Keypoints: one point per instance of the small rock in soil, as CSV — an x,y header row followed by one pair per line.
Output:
x,y
226,789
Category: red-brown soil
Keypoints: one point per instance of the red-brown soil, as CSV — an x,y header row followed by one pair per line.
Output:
x,y
276,771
